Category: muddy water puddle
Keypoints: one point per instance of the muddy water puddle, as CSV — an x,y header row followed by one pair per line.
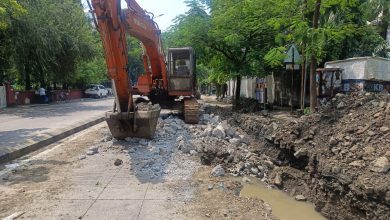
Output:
x,y
283,206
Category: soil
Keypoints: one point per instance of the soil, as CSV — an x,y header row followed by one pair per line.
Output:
x,y
37,179
223,201
337,158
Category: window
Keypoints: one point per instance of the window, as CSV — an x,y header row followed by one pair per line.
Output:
x,y
182,67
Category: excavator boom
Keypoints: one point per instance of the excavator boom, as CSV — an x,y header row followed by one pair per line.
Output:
x,y
113,23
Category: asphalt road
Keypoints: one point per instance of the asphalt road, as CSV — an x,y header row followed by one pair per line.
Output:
x,y
22,124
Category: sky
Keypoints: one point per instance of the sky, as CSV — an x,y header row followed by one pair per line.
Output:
x,y
170,9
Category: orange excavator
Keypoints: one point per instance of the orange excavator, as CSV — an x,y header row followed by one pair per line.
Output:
x,y
164,80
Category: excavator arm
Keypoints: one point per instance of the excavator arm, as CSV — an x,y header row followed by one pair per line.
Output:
x,y
140,25
113,23
113,35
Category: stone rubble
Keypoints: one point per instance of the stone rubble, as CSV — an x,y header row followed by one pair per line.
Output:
x,y
218,171
343,150
345,146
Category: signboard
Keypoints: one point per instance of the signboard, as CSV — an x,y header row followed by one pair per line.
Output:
x,y
293,56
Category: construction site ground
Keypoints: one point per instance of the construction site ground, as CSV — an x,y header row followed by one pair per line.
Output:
x,y
232,165
90,176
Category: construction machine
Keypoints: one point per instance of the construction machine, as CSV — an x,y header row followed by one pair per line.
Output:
x,y
165,78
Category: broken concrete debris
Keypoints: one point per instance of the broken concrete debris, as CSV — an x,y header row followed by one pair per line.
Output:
x,y
219,132
345,142
147,106
380,165
278,180
218,171
312,155
300,198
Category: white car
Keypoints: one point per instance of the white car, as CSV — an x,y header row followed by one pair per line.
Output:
x,y
96,91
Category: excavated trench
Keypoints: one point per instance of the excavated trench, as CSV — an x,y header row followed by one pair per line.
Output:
x,y
324,175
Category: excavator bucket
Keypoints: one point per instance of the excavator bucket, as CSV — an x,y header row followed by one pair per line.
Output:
x,y
140,124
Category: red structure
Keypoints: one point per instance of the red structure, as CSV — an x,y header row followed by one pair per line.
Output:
x,y
30,97
10,95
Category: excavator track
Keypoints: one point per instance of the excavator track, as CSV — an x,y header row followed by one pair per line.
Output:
x,y
191,111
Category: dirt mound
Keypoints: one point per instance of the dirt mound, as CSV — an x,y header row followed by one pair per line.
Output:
x,y
338,158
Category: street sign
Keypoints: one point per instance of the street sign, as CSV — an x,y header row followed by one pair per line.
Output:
x,y
293,58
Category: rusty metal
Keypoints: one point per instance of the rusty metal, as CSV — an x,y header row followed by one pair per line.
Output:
x,y
141,124
181,83
191,111
328,82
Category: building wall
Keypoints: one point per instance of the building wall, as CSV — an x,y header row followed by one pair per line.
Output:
x,y
364,73
363,68
270,84
248,85
30,97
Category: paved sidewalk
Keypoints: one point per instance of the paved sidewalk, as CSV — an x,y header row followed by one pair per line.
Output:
x,y
58,185
25,129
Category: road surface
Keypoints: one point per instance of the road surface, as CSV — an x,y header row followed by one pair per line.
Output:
x,y
22,125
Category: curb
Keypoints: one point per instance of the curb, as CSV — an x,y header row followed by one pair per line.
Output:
x,y
45,141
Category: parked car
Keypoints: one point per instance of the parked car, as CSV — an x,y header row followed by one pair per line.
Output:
x,y
96,91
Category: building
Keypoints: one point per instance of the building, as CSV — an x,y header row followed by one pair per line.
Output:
x,y
370,74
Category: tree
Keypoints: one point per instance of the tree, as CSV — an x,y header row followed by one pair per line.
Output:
x,y
377,12
250,38
9,9
136,66
313,60
49,41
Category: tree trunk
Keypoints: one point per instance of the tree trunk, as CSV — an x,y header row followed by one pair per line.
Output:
x,y
303,77
385,22
313,62
27,80
238,92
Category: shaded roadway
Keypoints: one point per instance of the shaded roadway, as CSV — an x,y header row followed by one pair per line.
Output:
x,y
21,125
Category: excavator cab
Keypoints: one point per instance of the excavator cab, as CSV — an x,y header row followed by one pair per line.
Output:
x,y
182,81
181,72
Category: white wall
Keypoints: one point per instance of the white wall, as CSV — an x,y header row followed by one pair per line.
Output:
x,y
248,86
270,81
363,68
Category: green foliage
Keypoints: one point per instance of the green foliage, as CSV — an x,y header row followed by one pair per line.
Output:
x,y
49,43
307,111
275,57
9,9
52,42
136,67
237,38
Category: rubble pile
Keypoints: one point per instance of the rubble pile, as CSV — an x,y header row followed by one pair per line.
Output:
x,y
147,106
337,158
